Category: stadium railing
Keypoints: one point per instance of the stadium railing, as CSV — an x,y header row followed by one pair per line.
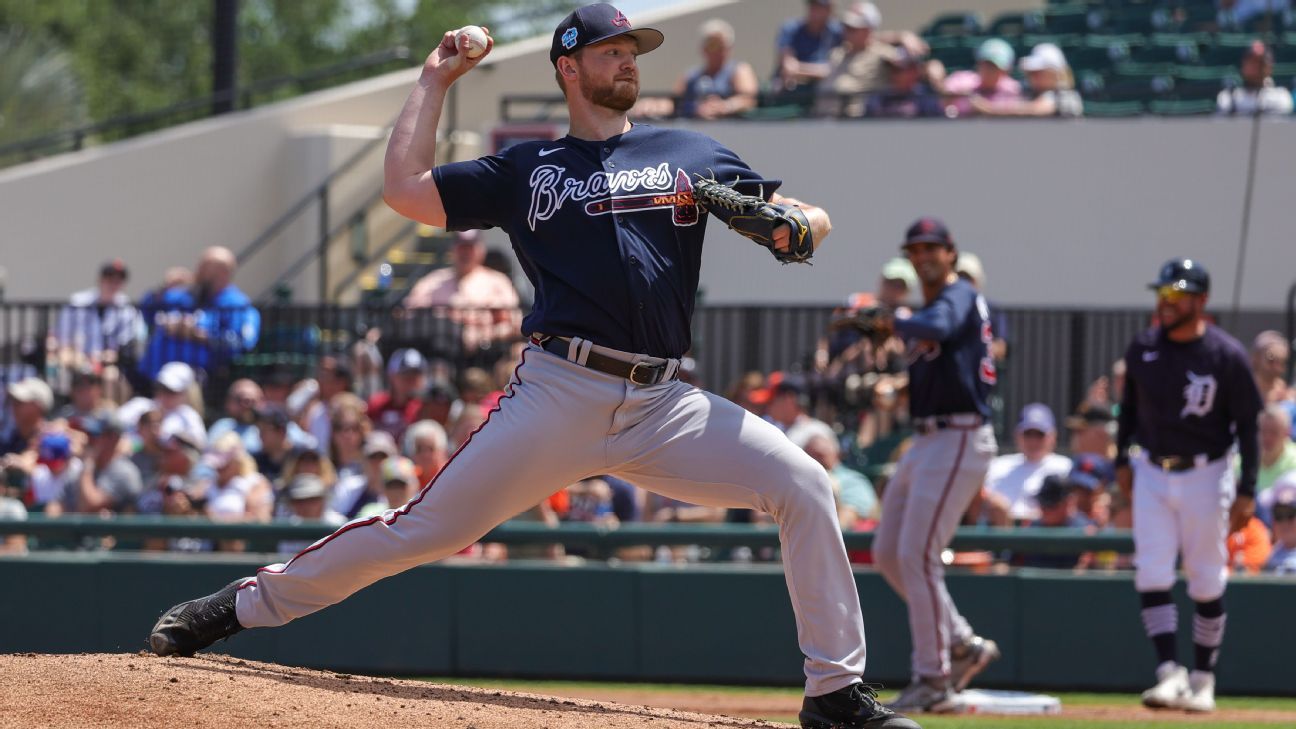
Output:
x,y
1053,353
244,97
600,540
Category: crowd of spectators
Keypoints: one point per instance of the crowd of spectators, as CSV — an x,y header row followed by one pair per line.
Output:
x,y
362,433
837,60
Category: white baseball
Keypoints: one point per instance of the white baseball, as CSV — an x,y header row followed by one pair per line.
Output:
x,y
476,39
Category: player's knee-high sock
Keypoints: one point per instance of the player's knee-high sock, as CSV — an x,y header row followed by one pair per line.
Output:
x,y
1208,633
1161,621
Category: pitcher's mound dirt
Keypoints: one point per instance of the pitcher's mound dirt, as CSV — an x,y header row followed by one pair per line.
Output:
x,y
142,691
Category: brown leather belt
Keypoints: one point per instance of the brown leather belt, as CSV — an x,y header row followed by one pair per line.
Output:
x,y
956,421
1176,464
640,373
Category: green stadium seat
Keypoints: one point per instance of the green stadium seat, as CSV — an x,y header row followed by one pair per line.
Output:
x,y
1091,84
1196,89
1132,19
1282,73
1097,52
1276,23
1168,48
1071,18
1181,107
1284,53
1015,24
1217,74
1112,109
1131,68
956,24
951,51
1137,88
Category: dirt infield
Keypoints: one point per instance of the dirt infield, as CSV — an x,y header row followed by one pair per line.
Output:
x,y
142,691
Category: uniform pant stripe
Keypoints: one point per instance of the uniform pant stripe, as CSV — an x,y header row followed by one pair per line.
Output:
x,y
416,500
932,584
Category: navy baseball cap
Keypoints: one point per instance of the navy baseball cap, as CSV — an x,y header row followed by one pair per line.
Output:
x,y
594,24
1184,274
1091,471
1037,416
1053,489
927,230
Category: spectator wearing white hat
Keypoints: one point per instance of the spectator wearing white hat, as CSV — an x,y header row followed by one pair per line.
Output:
x,y
1052,88
29,401
992,80
176,395
1013,481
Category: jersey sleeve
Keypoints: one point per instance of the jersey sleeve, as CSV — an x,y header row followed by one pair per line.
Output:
x,y
1245,405
942,319
729,168
476,194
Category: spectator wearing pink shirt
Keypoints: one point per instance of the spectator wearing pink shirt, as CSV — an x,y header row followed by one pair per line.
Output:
x,y
992,80
482,300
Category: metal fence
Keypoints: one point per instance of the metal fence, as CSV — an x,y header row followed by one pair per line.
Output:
x,y
1053,354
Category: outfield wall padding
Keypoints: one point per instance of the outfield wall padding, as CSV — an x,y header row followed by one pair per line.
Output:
x,y
649,622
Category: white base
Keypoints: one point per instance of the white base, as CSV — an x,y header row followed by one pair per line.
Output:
x,y
980,701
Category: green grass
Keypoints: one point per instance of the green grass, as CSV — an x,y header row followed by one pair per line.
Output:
x,y
928,722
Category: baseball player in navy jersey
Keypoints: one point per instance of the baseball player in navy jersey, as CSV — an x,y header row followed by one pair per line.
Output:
x,y
951,372
1189,394
604,225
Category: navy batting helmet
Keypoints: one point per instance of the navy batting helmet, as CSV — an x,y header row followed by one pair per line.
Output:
x,y
1184,274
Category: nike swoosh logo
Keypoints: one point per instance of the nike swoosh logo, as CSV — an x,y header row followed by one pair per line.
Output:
x,y
547,152
1149,356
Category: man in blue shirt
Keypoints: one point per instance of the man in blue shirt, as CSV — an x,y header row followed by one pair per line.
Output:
x,y
205,326
604,225
804,45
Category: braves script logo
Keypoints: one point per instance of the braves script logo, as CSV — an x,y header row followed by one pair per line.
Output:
x,y
650,188
1199,395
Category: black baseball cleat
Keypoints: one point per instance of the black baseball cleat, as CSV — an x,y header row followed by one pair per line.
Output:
x,y
854,707
191,626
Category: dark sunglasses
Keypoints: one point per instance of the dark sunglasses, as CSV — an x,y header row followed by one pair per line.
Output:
x,y
1284,512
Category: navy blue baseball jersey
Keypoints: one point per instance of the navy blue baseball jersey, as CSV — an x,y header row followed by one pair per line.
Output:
x,y
606,231
1190,398
948,343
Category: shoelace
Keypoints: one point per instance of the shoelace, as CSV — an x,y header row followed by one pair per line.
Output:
x,y
867,694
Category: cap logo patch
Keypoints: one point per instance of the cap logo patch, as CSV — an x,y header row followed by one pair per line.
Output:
x,y
621,20
569,38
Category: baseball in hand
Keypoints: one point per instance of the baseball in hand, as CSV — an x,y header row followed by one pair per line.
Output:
x,y
476,39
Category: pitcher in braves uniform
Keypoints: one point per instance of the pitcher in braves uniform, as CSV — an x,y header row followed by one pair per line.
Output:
x,y
604,226
1189,394
951,372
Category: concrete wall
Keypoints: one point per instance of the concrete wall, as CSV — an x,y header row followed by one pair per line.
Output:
x,y
1077,213
1062,213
